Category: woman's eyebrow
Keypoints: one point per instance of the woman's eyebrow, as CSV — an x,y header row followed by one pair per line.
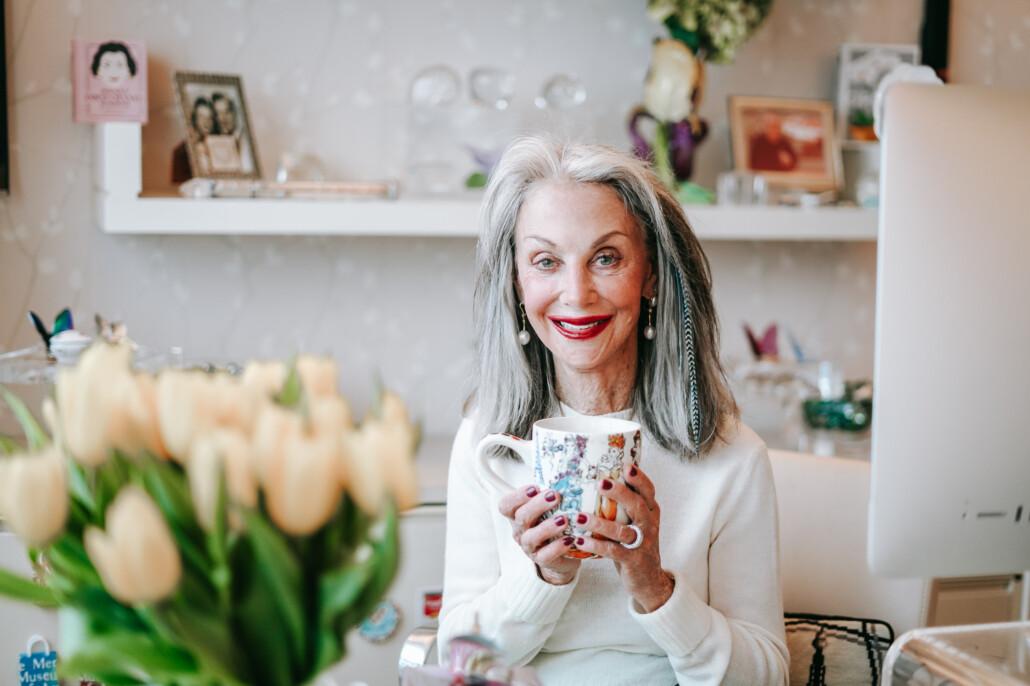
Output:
x,y
601,240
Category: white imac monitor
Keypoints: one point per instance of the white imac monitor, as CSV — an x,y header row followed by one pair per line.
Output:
x,y
950,492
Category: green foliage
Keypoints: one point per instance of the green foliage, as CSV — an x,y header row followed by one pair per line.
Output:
x,y
714,30
34,434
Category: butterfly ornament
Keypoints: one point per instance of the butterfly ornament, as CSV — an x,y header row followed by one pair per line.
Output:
x,y
63,322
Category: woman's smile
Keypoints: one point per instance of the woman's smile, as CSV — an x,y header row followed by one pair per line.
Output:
x,y
580,328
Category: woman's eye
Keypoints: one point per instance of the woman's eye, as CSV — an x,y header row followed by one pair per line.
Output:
x,y
606,259
545,263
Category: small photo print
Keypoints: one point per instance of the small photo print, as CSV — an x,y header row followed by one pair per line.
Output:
x,y
862,67
213,111
790,142
109,80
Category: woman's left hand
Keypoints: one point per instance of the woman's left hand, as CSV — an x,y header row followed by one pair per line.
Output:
x,y
640,568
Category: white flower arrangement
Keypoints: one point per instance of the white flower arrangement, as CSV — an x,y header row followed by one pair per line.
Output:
x,y
714,29
203,528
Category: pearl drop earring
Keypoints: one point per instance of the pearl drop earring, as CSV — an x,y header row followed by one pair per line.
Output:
x,y
523,335
649,332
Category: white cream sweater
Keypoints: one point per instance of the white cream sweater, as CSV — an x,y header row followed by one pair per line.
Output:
x,y
723,623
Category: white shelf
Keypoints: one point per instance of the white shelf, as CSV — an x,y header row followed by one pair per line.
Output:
x,y
121,208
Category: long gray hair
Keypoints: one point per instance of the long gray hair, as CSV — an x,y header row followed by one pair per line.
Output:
x,y
514,384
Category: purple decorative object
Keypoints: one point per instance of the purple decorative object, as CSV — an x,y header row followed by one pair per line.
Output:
x,y
682,142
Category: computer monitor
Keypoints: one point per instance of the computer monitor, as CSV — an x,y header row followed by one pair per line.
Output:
x,y
950,492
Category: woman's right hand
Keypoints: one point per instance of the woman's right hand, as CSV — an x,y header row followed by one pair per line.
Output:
x,y
542,540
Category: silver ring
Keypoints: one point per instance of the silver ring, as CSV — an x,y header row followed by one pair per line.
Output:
x,y
636,541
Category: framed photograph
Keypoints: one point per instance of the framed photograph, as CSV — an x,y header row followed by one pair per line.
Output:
x,y
862,66
790,142
213,110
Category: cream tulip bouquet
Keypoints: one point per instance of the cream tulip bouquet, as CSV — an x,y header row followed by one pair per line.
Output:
x,y
203,528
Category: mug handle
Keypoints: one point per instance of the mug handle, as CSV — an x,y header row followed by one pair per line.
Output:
x,y
523,447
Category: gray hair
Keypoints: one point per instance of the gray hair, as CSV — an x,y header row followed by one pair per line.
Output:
x,y
514,384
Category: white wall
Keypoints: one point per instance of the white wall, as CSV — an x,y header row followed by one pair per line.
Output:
x,y
330,77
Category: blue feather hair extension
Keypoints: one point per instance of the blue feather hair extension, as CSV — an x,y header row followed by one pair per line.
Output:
x,y
693,406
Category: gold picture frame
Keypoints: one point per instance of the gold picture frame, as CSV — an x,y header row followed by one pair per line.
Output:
x,y
213,111
792,143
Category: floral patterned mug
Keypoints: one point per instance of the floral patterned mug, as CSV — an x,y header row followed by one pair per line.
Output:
x,y
571,455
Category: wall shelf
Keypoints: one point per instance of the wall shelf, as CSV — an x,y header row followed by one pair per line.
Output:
x,y
122,208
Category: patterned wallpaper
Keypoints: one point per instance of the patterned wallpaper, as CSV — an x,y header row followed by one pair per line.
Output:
x,y
330,78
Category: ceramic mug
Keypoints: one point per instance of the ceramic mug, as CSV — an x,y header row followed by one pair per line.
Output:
x,y
571,455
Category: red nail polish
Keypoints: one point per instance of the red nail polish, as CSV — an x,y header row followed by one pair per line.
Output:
x,y
559,521
632,470
580,541
567,540
606,484
581,518
531,492
551,496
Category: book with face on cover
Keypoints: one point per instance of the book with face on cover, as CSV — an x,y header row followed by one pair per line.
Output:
x,y
109,80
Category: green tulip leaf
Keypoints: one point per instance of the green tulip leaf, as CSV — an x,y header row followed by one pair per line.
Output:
x,y
339,591
68,558
34,434
19,588
385,559
292,393
206,637
10,445
277,566
218,548
80,490
169,488
99,604
264,639
139,660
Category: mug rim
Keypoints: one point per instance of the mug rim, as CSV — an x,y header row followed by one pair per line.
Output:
x,y
588,425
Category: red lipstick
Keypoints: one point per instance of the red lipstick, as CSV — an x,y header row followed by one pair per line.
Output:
x,y
580,328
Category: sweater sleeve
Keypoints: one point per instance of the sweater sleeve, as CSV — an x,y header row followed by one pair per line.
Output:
x,y
488,580
738,636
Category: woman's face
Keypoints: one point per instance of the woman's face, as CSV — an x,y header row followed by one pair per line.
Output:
x,y
583,268
205,119
113,69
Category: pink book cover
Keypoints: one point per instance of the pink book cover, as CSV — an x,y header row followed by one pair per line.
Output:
x,y
110,80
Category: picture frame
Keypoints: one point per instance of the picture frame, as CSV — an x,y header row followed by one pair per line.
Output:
x,y
792,143
213,111
861,68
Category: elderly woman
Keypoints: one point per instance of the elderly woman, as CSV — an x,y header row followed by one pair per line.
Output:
x,y
593,297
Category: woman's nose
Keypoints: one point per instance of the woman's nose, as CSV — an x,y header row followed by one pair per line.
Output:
x,y
578,287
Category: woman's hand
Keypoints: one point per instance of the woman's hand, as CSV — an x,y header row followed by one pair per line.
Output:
x,y
640,568
542,540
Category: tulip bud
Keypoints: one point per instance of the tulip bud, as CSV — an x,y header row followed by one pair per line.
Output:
x,y
273,425
301,489
91,402
183,409
330,414
136,558
266,378
144,416
233,405
222,451
397,450
670,81
361,469
318,375
34,495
